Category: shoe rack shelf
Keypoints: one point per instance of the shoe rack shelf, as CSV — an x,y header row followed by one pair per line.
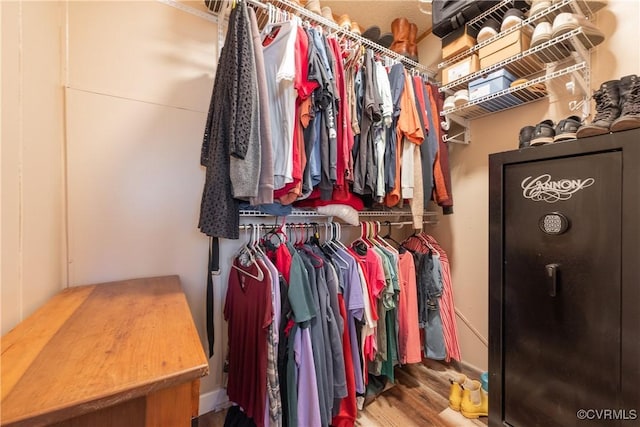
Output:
x,y
544,67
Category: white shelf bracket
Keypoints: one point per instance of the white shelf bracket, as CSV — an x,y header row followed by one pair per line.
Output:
x,y
458,129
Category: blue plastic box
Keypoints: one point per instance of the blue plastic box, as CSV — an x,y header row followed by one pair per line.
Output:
x,y
490,84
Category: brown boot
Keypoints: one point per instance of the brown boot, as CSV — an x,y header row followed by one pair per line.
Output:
x,y
400,28
412,45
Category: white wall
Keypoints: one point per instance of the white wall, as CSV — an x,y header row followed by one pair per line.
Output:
x,y
140,76
32,157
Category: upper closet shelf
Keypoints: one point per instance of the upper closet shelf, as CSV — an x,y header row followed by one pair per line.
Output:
x,y
548,14
341,32
561,63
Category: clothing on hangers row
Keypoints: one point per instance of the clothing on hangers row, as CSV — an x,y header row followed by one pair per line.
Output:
x,y
313,322
289,124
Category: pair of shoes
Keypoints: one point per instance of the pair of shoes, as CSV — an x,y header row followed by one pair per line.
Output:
x,y
475,401
327,14
543,133
567,129
461,97
511,18
344,21
449,103
373,33
491,27
524,139
405,34
314,6
589,37
546,132
617,107
538,6
458,384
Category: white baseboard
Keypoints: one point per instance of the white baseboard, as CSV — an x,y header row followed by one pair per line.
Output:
x,y
215,400
472,367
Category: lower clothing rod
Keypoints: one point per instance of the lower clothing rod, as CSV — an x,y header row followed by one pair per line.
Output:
x,y
321,224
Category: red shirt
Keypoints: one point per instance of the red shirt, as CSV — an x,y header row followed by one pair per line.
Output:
x,y
249,312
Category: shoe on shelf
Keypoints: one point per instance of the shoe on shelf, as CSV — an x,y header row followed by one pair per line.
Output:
x,y
490,28
344,21
541,34
449,103
355,27
475,401
607,110
314,6
385,40
567,128
524,139
556,52
327,14
412,48
590,36
543,133
629,88
400,27
372,33
512,17
538,6
461,97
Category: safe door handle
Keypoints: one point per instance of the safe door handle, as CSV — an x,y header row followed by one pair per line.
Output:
x,y
553,276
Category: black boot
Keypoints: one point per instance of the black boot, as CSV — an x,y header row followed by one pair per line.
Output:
x,y
607,110
629,104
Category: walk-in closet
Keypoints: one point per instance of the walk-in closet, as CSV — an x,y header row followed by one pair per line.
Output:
x,y
314,213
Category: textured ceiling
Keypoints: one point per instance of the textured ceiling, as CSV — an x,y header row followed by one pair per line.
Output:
x,y
380,12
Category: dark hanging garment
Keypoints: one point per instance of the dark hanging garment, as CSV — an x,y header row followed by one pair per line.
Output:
x,y
396,82
228,128
365,167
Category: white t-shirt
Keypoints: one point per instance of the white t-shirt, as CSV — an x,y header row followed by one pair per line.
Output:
x,y
280,69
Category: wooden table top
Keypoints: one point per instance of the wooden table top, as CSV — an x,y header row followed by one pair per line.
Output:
x,y
93,346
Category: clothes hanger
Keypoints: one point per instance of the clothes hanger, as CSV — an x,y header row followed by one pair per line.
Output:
x,y
388,235
245,250
426,241
433,244
419,241
338,239
278,232
379,239
332,247
363,233
299,234
256,244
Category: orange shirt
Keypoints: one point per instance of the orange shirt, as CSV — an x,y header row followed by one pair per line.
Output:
x,y
408,127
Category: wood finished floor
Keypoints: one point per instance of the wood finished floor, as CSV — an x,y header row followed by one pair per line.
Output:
x,y
420,398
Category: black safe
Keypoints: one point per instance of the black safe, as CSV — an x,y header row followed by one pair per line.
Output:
x,y
564,283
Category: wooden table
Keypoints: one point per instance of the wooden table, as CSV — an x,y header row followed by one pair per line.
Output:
x,y
115,354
